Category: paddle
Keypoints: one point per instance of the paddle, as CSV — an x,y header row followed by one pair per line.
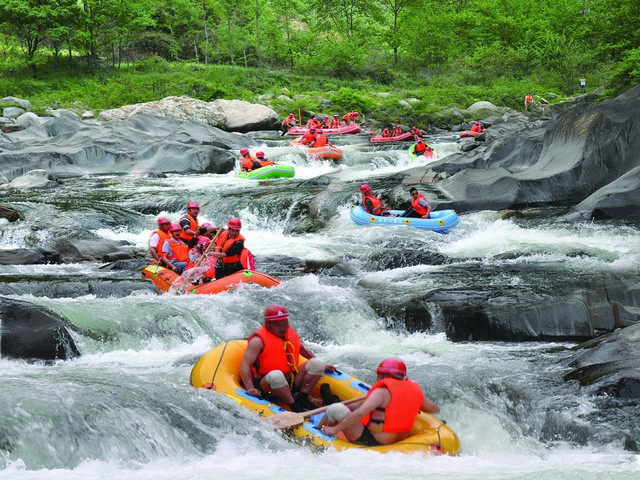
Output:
x,y
183,287
291,419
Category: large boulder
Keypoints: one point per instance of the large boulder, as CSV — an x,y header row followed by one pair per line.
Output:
x,y
609,364
244,116
67,146
179,108
32,332
35,179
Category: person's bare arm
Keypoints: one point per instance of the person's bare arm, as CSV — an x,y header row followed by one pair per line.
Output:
x,y
254,347
374,400
428,406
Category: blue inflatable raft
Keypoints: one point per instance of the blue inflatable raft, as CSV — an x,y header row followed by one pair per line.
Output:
x,y
441,220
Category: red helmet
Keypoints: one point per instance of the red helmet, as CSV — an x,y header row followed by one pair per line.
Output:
x,y
355,114
206,225
275,312
291,115
204,241
259,154
365,188
244,151
392,366
162,220
235,223
193,205
175,228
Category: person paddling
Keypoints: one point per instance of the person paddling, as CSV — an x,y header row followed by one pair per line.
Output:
x,y
387,414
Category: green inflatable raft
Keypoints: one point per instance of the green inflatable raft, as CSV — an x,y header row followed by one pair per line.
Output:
x,y
270,171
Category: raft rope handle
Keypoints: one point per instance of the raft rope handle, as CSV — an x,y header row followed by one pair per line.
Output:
x,y
215,372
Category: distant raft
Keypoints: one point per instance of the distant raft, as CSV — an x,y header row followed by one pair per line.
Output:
x,y
471,133
344,130
405,137
328,151
163,278
276,170
219,370
441,220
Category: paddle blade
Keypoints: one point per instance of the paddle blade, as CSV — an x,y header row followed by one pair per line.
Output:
x,y
286,420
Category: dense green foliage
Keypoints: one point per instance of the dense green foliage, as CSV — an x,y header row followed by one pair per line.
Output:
x,y
107,53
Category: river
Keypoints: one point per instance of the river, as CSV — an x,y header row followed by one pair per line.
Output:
x,y
125,409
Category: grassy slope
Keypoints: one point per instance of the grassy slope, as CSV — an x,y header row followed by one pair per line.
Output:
x,y
155,78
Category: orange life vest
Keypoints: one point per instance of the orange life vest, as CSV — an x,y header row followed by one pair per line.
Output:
x,y
403,409
386,133
335,123
163,238
246,163
178,250
193,225
415,203
528,99
377,203
321,141
265,162
275,355
397,132
224,243
247,260
308,137
420,148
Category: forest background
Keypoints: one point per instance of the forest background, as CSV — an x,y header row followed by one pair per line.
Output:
x,y
100,54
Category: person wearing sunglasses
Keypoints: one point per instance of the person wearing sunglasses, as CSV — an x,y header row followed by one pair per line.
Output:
x,y
271,364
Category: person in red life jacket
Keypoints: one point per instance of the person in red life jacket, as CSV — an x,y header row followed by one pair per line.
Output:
x,y
528,101
388,413
326,122
420,147
314,122
247,161
386,133
419,208
229,246
289,121
477,127
350,117
397,131
416,131
271,363
264,162
189,224
175,253
158,237
320,141
309,137
373,204
335,122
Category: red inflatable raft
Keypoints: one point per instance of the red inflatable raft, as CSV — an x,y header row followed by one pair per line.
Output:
x,y
405,137
344,130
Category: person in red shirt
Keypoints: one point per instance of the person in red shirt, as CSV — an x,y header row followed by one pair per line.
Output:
x,y
528,101
477,127
350,117
416,131
388,413
335,123
271,363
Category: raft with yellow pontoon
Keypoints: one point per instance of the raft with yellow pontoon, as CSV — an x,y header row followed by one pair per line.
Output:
x,y
219,370
163,278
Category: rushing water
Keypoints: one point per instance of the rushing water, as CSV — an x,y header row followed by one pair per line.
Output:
x,y
125,408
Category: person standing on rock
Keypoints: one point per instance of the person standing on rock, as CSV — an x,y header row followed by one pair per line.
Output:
x,y
583,85
528,102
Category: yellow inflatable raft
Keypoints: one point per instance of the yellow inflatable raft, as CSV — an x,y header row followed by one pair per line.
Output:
x,y
219,370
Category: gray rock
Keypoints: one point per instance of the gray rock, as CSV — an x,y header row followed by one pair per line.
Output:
x,y
483,105
12,112
28,119
10,213
26,104
87,114
243,116
284,98
33,332
35,179
405,104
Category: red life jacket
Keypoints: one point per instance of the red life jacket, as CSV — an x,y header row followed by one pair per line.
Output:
x,y
247,260
377,203
309,137
386,133
528,99
178,250
397,132
265,162
321,141
403,409
246,163
335,123
224,243
415,203
274,356
420,148
193,226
